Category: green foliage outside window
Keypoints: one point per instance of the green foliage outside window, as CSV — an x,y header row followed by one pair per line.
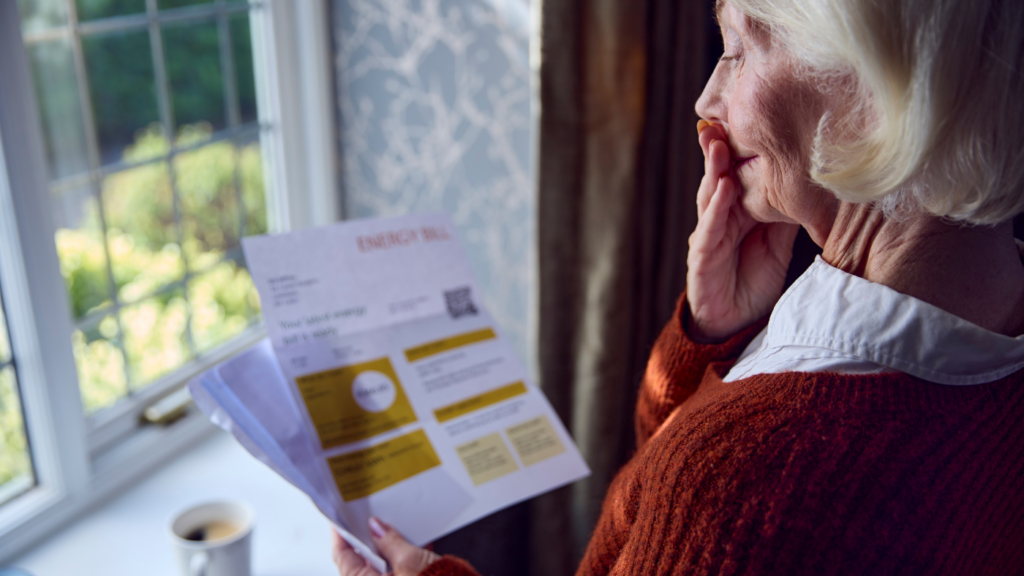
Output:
x,y
161,312
14,459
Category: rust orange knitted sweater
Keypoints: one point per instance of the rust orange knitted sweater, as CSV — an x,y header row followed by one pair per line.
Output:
x,y
809,473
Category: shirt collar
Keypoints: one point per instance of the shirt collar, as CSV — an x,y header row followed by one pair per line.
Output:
x,y
831,309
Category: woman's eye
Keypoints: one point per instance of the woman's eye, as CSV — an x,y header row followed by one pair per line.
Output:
x,y
725,58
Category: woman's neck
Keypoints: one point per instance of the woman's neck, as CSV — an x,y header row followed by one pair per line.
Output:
x,y
973,272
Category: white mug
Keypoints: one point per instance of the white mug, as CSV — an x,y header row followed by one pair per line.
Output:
x,y
213,539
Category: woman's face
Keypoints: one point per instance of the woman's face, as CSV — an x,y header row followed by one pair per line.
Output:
x,y
770,115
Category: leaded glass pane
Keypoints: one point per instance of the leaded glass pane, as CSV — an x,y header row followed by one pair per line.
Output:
x,y
37,15
95,9
16,474
53,71
194,74
80,248
123,89
102,377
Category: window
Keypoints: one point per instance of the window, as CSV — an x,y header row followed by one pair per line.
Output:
x,y
151,138
140,140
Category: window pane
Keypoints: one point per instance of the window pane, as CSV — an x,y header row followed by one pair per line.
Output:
x,y
5,341
91,9
83,259
193,71
57,91
224,303
16,474
180,3
210,215
141,229
241,47
155,336
253,192
122,86
101,370
39,15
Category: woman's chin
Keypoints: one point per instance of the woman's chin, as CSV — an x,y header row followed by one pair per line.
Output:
x,y
760,210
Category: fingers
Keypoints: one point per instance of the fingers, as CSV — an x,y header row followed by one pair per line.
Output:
x,y
708,131
405,559
717,167
717,160
349,562
710,251
713,224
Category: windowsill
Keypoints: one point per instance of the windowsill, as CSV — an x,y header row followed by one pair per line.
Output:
x,y
128,535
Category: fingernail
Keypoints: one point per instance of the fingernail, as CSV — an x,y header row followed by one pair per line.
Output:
x,y
377,528
701,125
712,143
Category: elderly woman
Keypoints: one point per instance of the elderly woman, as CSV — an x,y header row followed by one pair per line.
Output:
x,y
874,424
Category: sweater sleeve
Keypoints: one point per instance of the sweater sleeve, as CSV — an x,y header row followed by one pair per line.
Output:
x,y
449,566
676,367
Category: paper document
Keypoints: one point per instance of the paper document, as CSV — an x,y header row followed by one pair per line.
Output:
x,y
386,388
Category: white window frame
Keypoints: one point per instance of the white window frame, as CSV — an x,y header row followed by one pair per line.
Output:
x,y
292,63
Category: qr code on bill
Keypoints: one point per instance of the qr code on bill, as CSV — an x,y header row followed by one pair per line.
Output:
x,y
459,302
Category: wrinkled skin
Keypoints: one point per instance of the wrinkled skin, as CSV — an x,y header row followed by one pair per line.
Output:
x,y
756,191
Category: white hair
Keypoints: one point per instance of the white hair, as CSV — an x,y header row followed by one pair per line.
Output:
x,y
937,121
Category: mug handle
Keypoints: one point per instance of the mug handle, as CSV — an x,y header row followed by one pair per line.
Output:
x,y
198,564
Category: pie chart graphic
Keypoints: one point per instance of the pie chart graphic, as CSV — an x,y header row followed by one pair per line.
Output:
x,y
374,391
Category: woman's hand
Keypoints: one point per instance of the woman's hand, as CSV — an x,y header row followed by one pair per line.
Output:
x,y
404,558
736,266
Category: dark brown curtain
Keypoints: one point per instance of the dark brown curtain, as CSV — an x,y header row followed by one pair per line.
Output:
x,y
619,168
618,171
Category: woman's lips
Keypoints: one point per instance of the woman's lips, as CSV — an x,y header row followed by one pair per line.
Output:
x,y
703,125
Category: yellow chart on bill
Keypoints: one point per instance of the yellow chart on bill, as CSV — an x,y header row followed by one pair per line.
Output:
x,y
535,440
449,343
486,458
489,398
355,402
361,473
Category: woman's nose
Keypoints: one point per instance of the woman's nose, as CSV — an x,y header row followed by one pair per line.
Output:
x,y
712,102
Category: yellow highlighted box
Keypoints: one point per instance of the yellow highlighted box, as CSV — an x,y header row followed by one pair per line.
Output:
x,y
484,400
445,344
486,458
363,472
341,402
535,440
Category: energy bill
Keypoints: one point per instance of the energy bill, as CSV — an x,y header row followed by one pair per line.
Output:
x,y
408,402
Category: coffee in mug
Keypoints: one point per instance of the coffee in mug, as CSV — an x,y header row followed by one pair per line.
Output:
x,y
214,530
213,539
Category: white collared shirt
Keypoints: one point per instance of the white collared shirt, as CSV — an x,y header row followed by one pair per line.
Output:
x,y
831,321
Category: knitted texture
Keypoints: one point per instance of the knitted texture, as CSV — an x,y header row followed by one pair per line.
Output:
x,y
449,566
812,473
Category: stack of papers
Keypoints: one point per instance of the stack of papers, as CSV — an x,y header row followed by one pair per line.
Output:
x,y
384,387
